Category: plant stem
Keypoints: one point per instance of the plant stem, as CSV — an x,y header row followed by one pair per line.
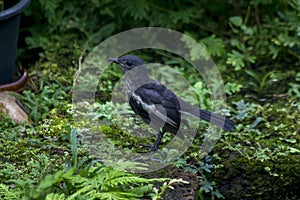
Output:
x,y
248,14
1,5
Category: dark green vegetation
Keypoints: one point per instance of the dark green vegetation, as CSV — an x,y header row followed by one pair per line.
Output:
x,y
257,49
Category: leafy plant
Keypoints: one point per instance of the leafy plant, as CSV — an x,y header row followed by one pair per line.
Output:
x,y
260,81
39,104
204,169
240,35
238,60
159,193
244,109
83,179
232,88
214,46
202,95
254,143
256,41
294,90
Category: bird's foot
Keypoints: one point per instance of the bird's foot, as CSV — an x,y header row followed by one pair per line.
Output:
x,y
146,146
151,147
151,155
156,156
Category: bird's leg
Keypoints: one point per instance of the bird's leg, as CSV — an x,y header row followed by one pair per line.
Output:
x,y
159,136
154,148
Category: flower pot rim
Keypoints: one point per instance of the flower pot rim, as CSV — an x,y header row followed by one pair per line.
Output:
x,y
14,10
17,85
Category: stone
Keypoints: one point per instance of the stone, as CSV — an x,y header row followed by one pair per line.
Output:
x,y
12,108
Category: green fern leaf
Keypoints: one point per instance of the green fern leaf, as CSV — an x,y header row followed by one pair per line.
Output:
x,y
9,194
135,8
213,45
53,196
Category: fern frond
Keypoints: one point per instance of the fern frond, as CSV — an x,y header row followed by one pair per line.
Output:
x,y
117,195
83,191
121,181
53,196
9,194
138,9
215,46
109,183
129,165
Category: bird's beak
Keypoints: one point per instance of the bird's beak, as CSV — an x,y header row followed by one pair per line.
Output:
x,y
115,60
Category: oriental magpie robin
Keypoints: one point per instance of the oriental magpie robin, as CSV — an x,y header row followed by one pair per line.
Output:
x,y
159,106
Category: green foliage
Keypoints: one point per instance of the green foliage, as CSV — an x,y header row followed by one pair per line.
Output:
x,y
260,81
238,59
203,167
158,195
244,109
131,9
105,183
214,46
265,143
273,33
232,88
48,93
253,43
202,95
65,17
1,5
236,21
255,143
39,104
24,154
53,196
294,90
6,193
83,180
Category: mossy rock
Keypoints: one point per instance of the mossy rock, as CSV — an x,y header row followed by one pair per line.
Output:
x,y
241,178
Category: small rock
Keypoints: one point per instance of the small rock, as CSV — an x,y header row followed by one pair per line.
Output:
x,y
12,108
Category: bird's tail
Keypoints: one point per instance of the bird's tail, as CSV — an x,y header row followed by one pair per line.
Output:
x,y
218,120
215,119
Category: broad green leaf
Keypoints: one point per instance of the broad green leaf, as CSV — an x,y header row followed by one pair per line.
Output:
x,y
236,20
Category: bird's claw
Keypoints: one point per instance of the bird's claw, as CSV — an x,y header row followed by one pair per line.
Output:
x,y
147,146
150,157
151,147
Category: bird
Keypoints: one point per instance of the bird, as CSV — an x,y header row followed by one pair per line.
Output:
x,y
159,106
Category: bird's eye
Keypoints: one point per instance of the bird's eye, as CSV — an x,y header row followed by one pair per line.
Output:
x,y
128,63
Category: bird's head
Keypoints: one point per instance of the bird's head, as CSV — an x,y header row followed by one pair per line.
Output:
x,y
127,62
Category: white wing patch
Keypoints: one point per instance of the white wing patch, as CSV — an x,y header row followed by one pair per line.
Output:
x,y
152,109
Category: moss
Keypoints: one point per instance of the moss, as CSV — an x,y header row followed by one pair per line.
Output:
x,y
262,161
125,139
27,156
31,151
55,124
240,178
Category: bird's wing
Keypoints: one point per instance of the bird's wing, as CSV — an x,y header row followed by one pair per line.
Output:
x,y
213,118
156,99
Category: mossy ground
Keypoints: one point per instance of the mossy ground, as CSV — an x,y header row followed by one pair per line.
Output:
x,y
260,160
257,161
